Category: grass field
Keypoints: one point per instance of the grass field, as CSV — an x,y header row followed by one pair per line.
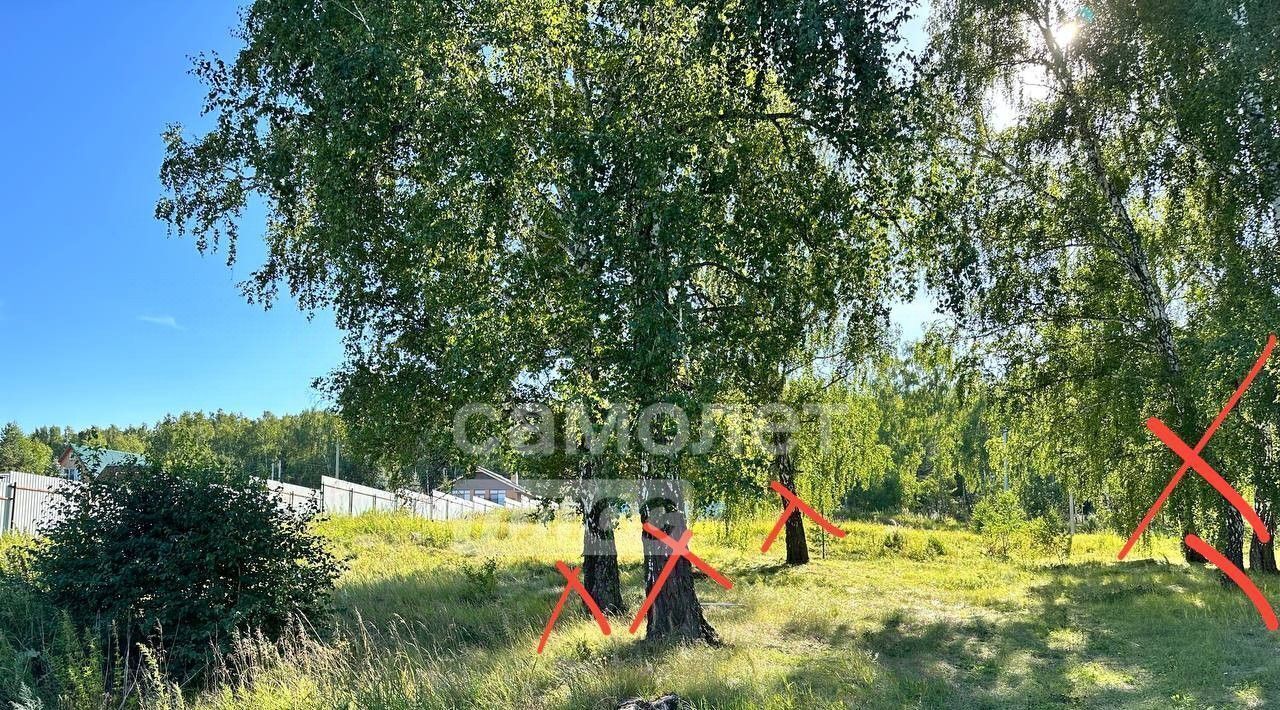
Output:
x,y
448,615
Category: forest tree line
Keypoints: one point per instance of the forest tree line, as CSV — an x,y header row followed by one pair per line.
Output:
x,y
296,448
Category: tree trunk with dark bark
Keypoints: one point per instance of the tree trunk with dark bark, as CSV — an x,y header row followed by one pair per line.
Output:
x,y
1232,538
676,613
785,471
1262,555
600,573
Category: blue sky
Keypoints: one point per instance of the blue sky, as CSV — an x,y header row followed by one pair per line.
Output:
x,y
103,318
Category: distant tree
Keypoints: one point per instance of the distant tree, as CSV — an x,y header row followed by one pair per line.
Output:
x,y
185,444
839,447
55,437
21,453
931,407
129,439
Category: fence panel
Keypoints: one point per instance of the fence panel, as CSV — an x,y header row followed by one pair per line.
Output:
x,y
347,498
294,496
458,507
26,500
417,503
435,505
483,505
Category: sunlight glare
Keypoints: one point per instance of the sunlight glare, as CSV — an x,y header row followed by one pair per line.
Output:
x,y
1065,33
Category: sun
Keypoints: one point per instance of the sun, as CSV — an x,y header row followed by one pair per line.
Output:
x,y
1066,33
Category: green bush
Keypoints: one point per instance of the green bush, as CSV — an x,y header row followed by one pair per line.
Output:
x,y
884,495
1000,520
42,655
482,580
894,541
1047,535
1008,532
22,618
179,565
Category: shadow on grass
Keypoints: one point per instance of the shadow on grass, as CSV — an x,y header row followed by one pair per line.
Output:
x,y
1091,635
1137,634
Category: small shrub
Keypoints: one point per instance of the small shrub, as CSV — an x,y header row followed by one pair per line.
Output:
x,y
934,547
1000,520
482,580
180,565
1048,536
78,667
23,615
895,541
1006,531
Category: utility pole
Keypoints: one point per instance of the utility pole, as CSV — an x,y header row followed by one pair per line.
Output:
x,y
823,511
1006,459
1071,505
337,458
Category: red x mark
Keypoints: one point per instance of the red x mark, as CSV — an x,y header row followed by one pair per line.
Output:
x,y
793,504
679,548
1192,458
1203,468
1246,585
572,584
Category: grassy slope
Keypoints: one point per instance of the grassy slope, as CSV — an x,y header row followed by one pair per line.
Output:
x,y
885,621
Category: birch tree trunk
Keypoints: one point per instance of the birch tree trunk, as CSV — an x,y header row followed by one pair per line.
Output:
x,y
1125,243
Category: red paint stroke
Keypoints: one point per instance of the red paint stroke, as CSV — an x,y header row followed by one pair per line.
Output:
x,y
795,504
572,584
1246,585
679,548
1203,468
1204,440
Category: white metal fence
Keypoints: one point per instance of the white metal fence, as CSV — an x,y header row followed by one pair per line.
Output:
x,y
292,496
346,498
436,505
26,500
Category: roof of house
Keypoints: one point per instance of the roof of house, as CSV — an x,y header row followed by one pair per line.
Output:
x,y
503,479
99,458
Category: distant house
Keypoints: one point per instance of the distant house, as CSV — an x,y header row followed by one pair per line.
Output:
x,y
76,461
492,486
